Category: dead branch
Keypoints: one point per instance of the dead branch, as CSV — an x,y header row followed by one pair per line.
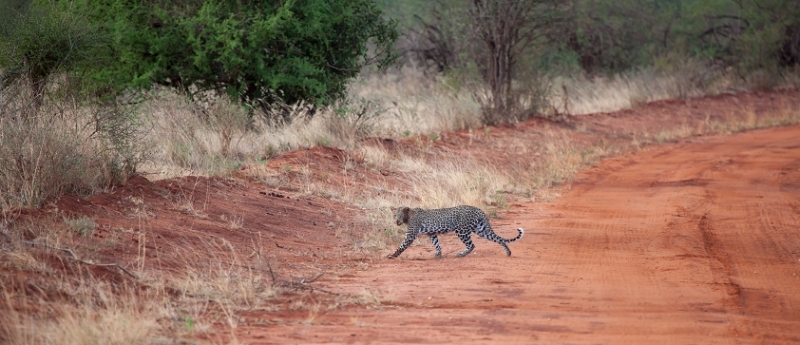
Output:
x,y
8,238
302,284
5,223
75,257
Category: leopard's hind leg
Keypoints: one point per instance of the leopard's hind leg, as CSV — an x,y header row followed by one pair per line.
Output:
x,y
464,237
485,230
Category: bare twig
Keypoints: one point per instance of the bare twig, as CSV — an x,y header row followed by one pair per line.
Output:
x,y
78,259
8,238
302,284
5,223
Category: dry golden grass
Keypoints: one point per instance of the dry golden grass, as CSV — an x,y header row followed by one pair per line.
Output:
x,y
417,104
230,279
213,139
153,308
55,150
117,320
746,120
190,139
578,95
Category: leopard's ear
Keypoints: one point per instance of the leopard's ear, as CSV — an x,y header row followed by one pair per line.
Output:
x,y
406,212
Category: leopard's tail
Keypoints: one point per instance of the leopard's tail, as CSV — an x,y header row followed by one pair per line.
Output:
x,y
490,235
521,233
485,230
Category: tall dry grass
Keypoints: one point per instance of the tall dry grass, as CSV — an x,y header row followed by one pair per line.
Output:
x,y
54,299
213,138
219,136
417,104
114,320
59,145
577,95
59,299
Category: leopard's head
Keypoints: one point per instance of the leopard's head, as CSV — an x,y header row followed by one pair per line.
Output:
x,y
401,215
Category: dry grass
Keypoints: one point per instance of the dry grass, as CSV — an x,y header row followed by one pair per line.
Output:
x,y
76,306
119,320
747,119
682,80
206,140
59,145
216,138
416,104
47,155
579,95
190,139
455,182
230,279
383,234
559,161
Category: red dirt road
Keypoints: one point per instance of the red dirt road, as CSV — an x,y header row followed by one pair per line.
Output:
x,y
692,243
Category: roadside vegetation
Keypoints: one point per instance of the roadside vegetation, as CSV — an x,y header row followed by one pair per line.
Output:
x,y
93,92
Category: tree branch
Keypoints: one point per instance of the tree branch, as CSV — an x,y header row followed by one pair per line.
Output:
x,y
72,256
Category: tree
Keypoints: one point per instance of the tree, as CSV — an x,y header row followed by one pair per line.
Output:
x,y
259,51
494,42
45,40
508,29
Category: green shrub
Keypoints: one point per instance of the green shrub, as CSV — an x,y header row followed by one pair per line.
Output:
x,y
259,51
46,41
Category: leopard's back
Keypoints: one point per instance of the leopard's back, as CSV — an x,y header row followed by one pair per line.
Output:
x,y
443,220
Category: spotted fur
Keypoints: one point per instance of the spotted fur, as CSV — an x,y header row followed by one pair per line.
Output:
x,y
463,220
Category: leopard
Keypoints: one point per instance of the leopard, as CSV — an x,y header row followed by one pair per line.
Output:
x,y
463,220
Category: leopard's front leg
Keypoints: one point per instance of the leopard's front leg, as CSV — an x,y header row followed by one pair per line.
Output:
x,y
435,241
410,236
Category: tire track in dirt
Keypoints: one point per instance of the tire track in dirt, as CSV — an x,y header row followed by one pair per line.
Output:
x,y
720,263
681,244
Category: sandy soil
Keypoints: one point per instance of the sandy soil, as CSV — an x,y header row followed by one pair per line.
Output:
x,y
688,242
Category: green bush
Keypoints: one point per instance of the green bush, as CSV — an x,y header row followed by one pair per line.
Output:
x,y
259,51
44,42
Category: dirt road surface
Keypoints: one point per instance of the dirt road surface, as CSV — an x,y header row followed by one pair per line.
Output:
x,y
691,243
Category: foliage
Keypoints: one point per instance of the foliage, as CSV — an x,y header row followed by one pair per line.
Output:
x,y
610,36
44,41
11,8
613,36
747,34
259,51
